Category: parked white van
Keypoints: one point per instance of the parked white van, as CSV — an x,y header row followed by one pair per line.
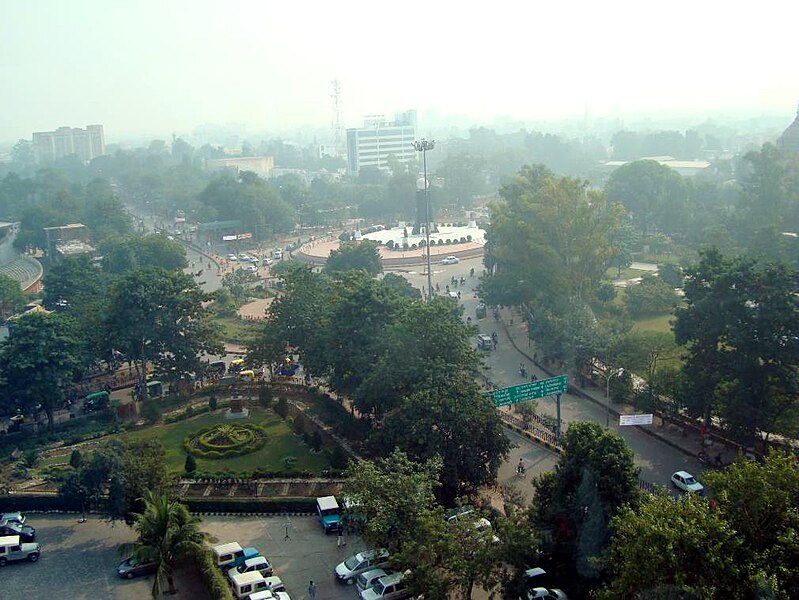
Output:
x,y
244,584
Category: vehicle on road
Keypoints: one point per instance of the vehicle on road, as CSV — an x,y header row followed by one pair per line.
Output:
x,y
26,533
546,594
13,517
258,563
369,578
236,365
96,401
11,550
356,564
686,482
485,342
232,257
133,567
329,513
231,555
390,587
244,584
217,367
251,269
450,260
277,255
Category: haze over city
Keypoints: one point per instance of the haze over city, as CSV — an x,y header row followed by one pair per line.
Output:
x,y
151,68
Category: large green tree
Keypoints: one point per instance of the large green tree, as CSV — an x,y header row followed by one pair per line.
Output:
x,y
115,476
548,237
40,361
360,256
668,549
124,254
11,297
653,194
761,503
740,327
159,317
393,494
452,419
594,479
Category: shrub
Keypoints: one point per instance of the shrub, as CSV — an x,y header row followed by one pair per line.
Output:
x,y
468,238
191,464
212,402
390,244
150,411
316,440
339,459
30,458
189,411
265,396
651,296
75,459
282,408
215,582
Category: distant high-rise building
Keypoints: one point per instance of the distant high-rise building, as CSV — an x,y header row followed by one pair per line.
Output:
x,y
789,140
86,144
379,138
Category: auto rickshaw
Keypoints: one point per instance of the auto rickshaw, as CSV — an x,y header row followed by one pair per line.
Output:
x,y
480,311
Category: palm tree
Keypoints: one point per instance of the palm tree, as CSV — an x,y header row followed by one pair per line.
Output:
x,y
167,531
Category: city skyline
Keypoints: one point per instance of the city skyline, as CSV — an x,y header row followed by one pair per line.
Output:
x,y
163,67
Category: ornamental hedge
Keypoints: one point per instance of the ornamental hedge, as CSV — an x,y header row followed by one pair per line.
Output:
x,y
225,440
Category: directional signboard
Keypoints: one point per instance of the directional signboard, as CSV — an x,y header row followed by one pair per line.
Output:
x,y
530,391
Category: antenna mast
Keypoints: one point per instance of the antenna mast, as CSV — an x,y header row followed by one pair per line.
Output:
x,y
338,129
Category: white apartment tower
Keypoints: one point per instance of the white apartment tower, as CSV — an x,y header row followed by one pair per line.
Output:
x,y
379,138
86,144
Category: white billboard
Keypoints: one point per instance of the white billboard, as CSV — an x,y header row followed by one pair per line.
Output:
x,y
635,419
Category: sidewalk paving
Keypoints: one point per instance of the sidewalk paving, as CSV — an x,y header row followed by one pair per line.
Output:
x,y
515,329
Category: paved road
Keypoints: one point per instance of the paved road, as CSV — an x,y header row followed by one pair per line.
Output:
x,y
656,459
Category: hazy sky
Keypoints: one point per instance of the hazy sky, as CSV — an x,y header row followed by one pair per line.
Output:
x,y
158,66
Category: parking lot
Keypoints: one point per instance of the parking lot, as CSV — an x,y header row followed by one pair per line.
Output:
x,y
79,560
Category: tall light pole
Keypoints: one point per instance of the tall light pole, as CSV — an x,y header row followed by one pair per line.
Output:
x,y
423,146
607,406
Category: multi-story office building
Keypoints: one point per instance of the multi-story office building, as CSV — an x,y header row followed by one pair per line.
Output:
x,y
86,144
379,138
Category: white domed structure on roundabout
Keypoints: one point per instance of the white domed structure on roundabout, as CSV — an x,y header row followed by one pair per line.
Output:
x,y
405,243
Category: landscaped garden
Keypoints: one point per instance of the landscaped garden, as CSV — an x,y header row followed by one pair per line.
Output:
x,y
282,451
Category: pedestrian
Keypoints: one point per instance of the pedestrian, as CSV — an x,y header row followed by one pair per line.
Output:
x,y
340,538
312,590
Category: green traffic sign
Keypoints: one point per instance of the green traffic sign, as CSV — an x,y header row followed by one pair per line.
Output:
x,y
530,391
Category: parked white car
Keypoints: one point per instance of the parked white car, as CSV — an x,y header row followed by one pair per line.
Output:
x,y
232,257
450,260
686,482
356,564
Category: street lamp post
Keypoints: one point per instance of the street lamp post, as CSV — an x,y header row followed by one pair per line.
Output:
x,y
423,146
607,405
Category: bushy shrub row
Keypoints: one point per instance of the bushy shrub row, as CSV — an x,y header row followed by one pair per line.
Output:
x,y
215,581
248,505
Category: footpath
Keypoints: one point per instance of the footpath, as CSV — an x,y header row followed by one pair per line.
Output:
x,y
687,439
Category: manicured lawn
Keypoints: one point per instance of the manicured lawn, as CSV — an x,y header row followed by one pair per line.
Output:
x,y
660,323
235,329
281,442
613,273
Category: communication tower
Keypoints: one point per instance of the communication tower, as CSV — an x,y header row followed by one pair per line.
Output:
x,y
338,128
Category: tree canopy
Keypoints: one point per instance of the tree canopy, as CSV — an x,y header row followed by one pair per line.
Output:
x,y
357,256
